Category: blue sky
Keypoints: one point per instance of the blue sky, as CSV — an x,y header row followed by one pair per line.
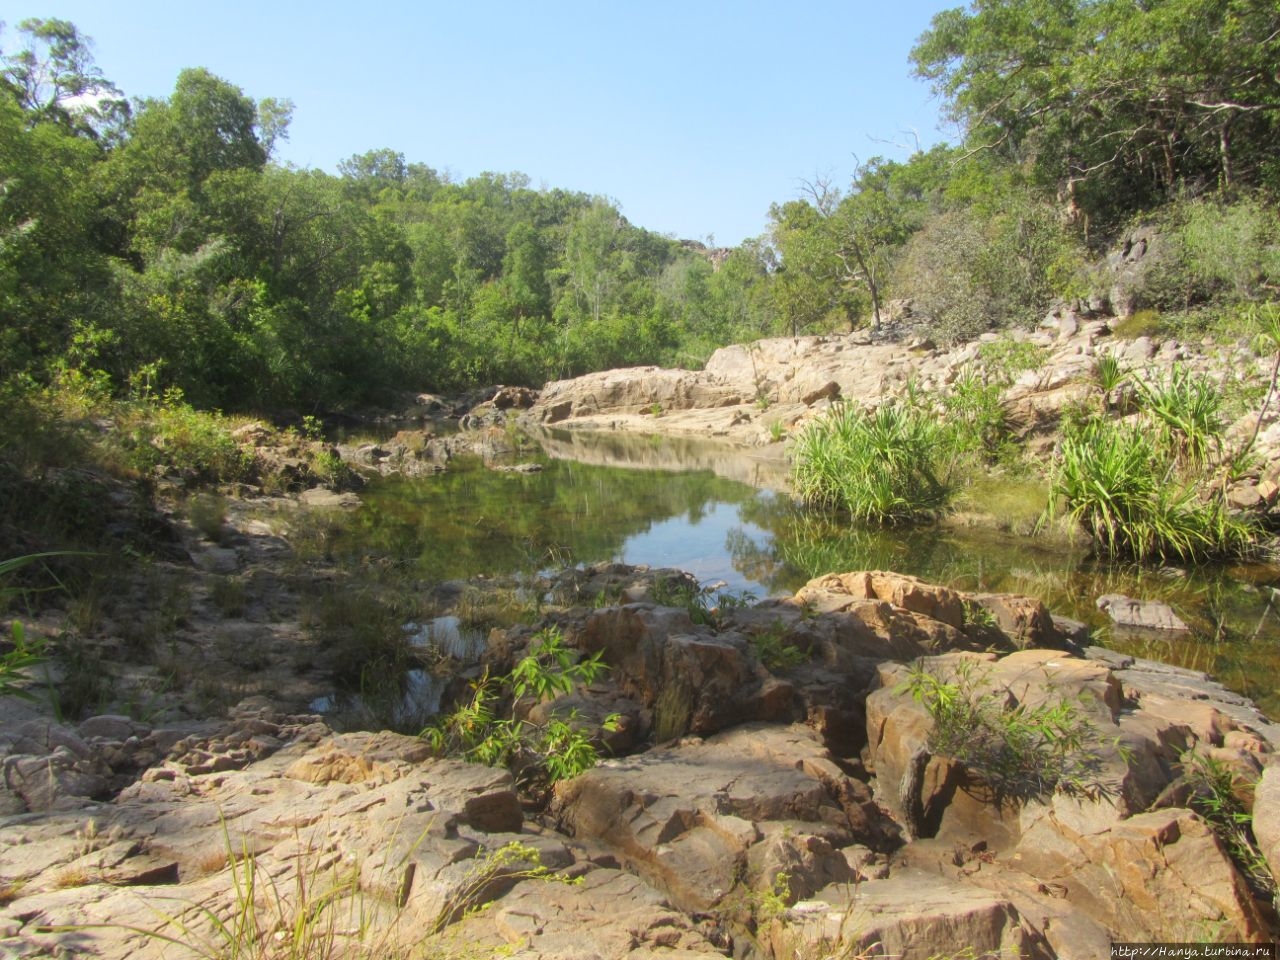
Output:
x,y
693,116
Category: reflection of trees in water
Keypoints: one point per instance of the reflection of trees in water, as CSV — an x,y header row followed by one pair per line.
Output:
x,y
471,520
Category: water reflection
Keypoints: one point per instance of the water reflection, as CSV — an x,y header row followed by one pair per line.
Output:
x,y
472,521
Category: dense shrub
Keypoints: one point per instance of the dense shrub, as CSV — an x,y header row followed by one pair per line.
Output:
x,y
971,270
1212,251
1120,483
881,466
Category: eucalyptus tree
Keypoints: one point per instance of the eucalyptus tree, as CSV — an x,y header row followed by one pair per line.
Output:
x,y
1113,102
53,78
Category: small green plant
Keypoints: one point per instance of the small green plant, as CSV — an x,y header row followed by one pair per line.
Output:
x,y
15,664
672,710
1214,796
312,427
228,595
486,730
777,431
208,514
1109,373
1188,410
1019,751
976,420
671,592
978,615
772,648
491,873
551,668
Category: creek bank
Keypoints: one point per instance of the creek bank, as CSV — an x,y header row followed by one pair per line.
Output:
x,y
760,394
732,774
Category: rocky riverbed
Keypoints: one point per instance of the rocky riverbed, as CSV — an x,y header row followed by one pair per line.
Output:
x,y
743,809
749,803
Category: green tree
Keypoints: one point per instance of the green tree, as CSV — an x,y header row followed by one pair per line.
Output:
x,y
53,78
1112,102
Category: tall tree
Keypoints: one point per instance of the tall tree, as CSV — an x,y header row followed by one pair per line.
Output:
x,y
54,78
1114,101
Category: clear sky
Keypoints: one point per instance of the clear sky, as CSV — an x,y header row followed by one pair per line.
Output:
x,y
692,116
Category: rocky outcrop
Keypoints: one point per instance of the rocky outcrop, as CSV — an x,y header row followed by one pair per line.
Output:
x,y
761,394
701,817
754,804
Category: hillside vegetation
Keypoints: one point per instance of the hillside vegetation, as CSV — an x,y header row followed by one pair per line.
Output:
x,y
156,243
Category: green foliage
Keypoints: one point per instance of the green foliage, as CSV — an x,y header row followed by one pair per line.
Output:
x,y
26,653
486,729
772,648
1187,408
494,870
1215,795
977,268
1083,93
173,436
1214,250
975,417
880,467
320,910
1141,323
1123,489
1109,373
1020,751
551,668
208,514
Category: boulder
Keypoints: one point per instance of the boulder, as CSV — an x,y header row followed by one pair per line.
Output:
x,y
913,915
1157,876
1141,614
687,817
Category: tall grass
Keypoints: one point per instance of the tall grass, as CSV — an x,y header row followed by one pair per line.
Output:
x,y
880,467
1122,486
1187,410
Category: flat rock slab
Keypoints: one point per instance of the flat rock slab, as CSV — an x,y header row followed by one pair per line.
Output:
x,y
907,916
1140,614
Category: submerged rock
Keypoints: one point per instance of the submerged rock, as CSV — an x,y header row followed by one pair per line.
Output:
x,y
1140,614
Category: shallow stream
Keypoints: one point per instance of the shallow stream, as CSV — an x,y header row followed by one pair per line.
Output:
x,y
719,513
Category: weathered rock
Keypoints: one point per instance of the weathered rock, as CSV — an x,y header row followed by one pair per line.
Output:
x,y
1024,620
1142,614
914,916
608,913
704,682
687,817
1155,876
1266,817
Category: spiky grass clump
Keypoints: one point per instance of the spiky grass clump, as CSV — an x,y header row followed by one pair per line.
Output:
x,y
1122,487
880,467
1187,410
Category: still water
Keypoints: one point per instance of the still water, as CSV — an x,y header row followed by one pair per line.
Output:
x,y
711,511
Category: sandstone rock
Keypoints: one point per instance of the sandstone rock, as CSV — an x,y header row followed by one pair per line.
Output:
x,y
914,916
608,913
687,817
1143,614
1159,876
655,654
1266,817
1024,620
